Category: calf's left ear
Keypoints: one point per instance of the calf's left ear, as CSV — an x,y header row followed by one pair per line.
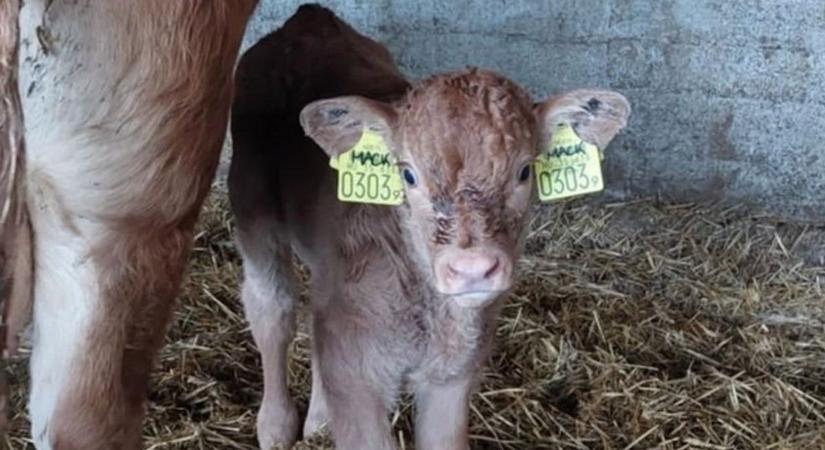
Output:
x,y
597,116
336,124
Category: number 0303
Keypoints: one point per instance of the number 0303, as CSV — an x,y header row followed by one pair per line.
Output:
x,y
367,186
559,178
564,180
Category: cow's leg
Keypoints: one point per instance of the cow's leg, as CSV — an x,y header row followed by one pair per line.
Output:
x,y
126,105
15,248
269,296
103,299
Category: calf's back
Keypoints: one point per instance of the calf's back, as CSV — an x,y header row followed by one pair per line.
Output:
x,y
279,177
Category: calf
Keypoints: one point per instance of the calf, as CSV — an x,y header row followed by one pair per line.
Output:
x,y
400,295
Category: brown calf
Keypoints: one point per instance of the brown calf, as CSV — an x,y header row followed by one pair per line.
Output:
x,y
402,295
126,104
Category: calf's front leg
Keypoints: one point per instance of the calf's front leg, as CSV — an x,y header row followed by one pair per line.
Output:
x,y
443,415
359,418
359,412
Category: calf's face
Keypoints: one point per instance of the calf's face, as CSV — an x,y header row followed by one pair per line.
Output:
x,y
465,144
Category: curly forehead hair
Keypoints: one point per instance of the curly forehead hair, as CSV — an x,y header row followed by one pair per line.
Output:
x,y
473,94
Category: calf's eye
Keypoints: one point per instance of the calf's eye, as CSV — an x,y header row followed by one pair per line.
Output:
x,y
409,176
524,174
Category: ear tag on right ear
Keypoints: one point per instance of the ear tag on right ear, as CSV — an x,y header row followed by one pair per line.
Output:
x,y
568,167
368,173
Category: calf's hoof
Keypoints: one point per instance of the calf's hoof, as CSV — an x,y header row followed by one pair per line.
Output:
x,y
315,423
277,427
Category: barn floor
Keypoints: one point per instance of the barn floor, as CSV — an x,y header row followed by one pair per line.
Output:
x,y
635,326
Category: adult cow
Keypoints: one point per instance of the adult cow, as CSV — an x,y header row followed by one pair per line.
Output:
x,y
14,230
126,105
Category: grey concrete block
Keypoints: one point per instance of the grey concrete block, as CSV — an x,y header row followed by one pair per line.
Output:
x,y
542,67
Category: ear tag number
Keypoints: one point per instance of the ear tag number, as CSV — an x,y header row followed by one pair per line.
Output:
x,y
367,173
568,167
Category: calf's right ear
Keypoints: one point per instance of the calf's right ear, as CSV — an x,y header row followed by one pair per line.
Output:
x,y
596,115
336,124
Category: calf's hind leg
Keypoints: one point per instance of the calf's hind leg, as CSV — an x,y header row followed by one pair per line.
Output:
x,y
269,295
318,413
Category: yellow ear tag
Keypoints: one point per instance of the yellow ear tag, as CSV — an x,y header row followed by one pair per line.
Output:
x,y
368,173
568,167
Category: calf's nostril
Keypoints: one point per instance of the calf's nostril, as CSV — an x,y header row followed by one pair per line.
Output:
x,y
493,269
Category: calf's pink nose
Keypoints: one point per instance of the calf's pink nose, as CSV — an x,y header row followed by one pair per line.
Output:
x,y
473,267
472,271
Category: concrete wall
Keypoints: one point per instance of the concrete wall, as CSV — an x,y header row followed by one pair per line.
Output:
x,y
728,96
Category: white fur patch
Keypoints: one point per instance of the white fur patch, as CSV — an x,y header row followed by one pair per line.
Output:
x,y
65,283
65,293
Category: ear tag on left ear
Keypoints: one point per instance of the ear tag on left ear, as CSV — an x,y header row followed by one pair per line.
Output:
x,y
368,173
568,167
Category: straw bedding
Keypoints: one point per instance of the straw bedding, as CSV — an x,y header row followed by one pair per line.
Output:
x,y
634,326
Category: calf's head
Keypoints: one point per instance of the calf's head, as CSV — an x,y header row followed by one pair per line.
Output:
x,y
465,143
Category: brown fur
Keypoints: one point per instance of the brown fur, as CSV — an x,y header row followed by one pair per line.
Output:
x,y
484,129
380,319
167,70
15,234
